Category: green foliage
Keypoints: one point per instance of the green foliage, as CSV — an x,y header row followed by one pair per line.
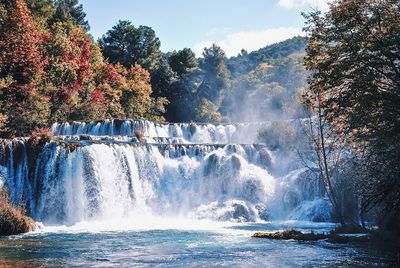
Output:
x,y
184,99
162,79
215,74
129,45
245,62
207,112
184,80
182,89
42,12
183,61
136,93
70,11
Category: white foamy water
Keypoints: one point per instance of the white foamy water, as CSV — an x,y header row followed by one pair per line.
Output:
x,y
98,177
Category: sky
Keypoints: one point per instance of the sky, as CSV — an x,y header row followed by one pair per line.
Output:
x,y
232,24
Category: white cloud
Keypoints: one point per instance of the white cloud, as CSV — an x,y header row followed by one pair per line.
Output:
x,y
320,4
235,42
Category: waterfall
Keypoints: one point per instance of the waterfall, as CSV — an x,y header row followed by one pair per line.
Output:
x,y
94,171
191,132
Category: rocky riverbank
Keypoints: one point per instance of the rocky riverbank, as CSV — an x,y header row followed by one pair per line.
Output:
x,y
12,218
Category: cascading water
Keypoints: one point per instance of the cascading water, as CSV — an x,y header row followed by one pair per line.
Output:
x,y
97,171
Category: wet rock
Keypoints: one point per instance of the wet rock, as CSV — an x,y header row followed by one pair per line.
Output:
x,y
72,146
263,212
236,164
232,210
118,124
139,134
211,164
333,237
265,158
240,213
12,218
85,138
30,225
192,129
290,234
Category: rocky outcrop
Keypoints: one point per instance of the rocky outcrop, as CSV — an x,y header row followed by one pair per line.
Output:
x,y
290,234
334,236
12,221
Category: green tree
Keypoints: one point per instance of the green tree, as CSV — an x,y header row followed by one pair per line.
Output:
x,y
215,73
162,79
183,61
130,45
70,11
183,98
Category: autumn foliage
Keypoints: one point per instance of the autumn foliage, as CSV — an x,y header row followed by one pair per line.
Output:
x,y
21,57
22,63
53,71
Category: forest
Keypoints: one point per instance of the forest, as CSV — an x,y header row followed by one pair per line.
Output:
x,y
52,70
342,78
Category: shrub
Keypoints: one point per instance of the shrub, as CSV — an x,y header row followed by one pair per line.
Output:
x,y
12,218
41,134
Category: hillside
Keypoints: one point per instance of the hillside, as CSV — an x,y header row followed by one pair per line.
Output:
x,y
245,61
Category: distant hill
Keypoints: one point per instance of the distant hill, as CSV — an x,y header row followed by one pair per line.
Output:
x,y
266,84
245,62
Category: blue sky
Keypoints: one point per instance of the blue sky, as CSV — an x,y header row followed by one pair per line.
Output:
x,y
232,24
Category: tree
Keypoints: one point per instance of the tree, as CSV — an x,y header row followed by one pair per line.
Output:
x,y
21,63
68,69
354,56
162,79
128,45
207,112
183,94
70,11
136,94
184,98
183,61
176,79
3,123
326,151
107,95
215,73
269,92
